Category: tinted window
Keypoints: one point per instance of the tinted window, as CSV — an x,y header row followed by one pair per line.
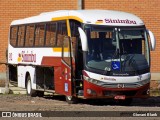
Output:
x,y
13,35
61,33
39,35
29,36
50,34
74,34
21,33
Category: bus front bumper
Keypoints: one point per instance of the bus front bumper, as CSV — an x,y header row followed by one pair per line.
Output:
x,y
95,91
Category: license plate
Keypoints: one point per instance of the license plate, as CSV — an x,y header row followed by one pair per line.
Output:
x,y
120,97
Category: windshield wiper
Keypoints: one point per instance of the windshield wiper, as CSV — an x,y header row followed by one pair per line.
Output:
x,y
131,62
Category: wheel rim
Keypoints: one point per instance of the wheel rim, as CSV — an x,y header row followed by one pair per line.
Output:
x,y
69,98
29,87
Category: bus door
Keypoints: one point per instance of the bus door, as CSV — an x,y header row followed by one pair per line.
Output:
x,y
67,67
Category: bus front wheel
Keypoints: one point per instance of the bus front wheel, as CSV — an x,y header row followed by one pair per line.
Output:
x,y
71,99
30,91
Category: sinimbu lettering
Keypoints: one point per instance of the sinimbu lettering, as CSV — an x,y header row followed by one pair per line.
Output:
x,y
120,21
28,57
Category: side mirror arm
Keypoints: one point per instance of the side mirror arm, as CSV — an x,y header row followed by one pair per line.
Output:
x,y
153,40
83,38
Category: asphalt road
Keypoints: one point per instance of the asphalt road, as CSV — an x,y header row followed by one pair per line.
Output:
x,y
55,107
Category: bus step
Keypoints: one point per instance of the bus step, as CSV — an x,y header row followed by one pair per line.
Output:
x,y
79,87
80,93
77,80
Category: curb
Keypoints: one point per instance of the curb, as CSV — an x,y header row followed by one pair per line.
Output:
x,y
12,90
16,90
2,90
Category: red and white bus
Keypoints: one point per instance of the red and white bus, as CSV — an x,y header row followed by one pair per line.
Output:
x,y
84,54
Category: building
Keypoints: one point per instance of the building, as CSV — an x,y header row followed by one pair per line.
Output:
x,y
147,10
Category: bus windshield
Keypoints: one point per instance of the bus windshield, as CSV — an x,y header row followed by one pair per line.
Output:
x,y
117,49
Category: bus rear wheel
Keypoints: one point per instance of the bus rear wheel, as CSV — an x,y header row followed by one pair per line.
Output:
x,y
71,99
30,91
40,93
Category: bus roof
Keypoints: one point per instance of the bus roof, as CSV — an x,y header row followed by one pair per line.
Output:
x,y
101,17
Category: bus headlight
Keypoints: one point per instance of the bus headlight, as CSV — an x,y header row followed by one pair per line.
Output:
x,y
90,80
91,92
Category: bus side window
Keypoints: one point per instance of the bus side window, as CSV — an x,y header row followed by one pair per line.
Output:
x,y
50,34
66,57
29,36
39,35
21,34
61,33
74,35
13,35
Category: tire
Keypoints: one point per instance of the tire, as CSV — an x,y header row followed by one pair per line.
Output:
x,y
30,91
71,99
40,93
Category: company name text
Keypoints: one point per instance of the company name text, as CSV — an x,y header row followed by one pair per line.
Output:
x,y
26,57
120,21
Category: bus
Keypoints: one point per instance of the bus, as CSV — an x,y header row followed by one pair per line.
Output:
x,y
81,54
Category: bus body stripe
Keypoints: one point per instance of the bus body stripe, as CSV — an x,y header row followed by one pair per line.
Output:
x,y
67,17
57,49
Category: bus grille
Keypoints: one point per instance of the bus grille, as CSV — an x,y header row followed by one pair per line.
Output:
x,y
122,85
113,93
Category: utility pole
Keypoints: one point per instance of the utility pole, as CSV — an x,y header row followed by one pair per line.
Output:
x,y
7,80
7,75
80,4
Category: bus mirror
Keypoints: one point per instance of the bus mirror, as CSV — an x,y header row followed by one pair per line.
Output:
x,y
83,38
152,40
